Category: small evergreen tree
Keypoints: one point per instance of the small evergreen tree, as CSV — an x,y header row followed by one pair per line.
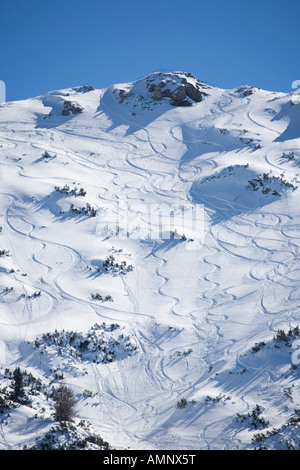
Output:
x,y
18,385
65,404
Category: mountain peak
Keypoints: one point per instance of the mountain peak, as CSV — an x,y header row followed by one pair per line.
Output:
x,y
177,88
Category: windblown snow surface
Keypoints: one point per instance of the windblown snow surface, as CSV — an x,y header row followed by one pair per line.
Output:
x,y
171,344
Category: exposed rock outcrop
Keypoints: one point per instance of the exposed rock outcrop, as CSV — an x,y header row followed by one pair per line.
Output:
x,y
84,89
178,88
181,89
71,107
245,90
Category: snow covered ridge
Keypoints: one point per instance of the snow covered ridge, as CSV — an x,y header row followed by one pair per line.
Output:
x,y
104,196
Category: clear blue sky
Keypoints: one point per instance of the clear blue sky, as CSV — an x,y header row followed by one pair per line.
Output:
x,y
53,44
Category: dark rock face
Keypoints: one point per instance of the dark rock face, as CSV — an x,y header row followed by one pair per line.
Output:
x,y
177,87
123,96
194,93
179,97
71,107
157,93
84,89
245,90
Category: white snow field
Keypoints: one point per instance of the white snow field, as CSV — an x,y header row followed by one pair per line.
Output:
x,y
176,342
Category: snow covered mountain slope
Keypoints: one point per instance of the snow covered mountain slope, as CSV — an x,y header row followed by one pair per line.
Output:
x,y
171,335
